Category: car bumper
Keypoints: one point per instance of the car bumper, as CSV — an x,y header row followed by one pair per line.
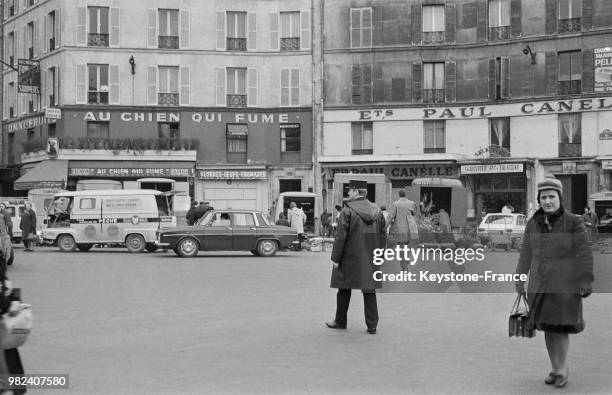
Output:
x,y
160,244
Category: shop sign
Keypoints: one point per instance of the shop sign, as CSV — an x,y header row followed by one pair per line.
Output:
x,y
496,168
53,113
129,172
231,174
28,123
28,79
569,167
603,69
400,172
196,117
606,164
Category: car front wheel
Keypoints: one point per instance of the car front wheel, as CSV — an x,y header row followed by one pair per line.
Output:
x,y
187,248
267,247
135,243
66,243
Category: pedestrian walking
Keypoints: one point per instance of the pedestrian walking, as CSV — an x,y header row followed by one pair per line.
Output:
x,y
559,261
324,223
282,221
385,213
337,211
28,226
361,229
444,221
401,214
297,219
591,222
190,216
7,219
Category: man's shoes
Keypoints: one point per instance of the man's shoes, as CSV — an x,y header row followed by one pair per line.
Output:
x,y
561,380
372,331
550,379
334,325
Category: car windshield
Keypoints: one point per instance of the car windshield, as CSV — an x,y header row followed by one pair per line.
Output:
x,y
498,219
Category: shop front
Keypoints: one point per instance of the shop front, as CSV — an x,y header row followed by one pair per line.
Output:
x,y
233,187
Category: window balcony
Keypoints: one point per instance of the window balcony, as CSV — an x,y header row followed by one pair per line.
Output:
x,y
168,99
571,25
236,101
97,40
499,33
168,42
434,37
290,44
97,97
433,95
570,149
362,151
570,87
434,150
236,44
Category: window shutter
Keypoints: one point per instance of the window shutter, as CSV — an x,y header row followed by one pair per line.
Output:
x,y
184,96
46,34
252,28
274,32
417,25
151,28
113,96
492,79
252,87
551,16
220,86
355,27
221,30
114,28
417,77
35,38
44,88
551,73
450,20
450,82
151,85
305,26
81,32
398,89
58,28
403,25
587,15
380,35
505,77
356,82
56,88
185,23
81,84
378,85
482,16
366,84
24,42
588,72
515,18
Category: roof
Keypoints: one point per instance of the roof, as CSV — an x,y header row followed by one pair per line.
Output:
x,y
45,174
110,192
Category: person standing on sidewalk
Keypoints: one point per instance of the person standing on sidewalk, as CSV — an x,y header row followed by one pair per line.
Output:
x,y
28,226
361,229
590,220
559,261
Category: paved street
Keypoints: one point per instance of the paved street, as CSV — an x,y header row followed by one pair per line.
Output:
x,y
222,323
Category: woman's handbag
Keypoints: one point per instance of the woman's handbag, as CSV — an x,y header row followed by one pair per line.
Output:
x,y
16,326
518,324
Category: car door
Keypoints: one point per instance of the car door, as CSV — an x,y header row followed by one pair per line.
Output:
x,y
244,231
217,233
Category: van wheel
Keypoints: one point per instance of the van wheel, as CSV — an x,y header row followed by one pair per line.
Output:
x,y
135,243
267,247
84,247
66,243
151,247
187,248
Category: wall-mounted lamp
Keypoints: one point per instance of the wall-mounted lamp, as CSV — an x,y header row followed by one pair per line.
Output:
x,y
133,64
527,51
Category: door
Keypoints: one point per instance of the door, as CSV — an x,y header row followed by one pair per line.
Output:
x,y
217,233
89,220
244,232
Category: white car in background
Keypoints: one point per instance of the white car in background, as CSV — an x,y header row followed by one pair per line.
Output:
x,y
504,229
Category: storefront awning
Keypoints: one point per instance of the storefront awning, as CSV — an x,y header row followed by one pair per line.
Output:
x,y
46,174
437,182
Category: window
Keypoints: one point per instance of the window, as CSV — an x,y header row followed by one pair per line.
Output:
x,y
570,135
51,30
51,130
87,203
11,99
290,31
11,48
243,219
435,137
169,130
98,84
168,29
30,40
52,86
499,19
570,16
433,24
362,138
236,31
362,84
499,136
98,26
236,87
290,137
570,72
11,7
97,129
361,27
433,82
168,94
290,87
31,134
237,135
11,149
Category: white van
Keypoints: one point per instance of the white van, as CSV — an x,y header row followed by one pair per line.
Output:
x,y
41,199
128,217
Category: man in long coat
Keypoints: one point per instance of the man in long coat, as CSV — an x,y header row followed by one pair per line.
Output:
x,y
361,229
28,226
399,212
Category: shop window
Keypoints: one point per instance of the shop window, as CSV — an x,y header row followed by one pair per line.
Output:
x,y
435,137
290,137
237,141
362,138
570,135
236,31
98,27
97,130
98,84
570,72
499,19
361,27
169,130
570,16
168,29
290,31
433,82
499,137
433,24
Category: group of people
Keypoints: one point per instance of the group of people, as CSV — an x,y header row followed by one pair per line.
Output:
x,y
296,219
27,224
556,256
197,211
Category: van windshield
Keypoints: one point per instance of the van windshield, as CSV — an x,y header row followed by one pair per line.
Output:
x,y
164,206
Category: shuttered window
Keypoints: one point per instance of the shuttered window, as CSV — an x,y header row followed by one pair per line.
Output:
x,y
433,82
570,72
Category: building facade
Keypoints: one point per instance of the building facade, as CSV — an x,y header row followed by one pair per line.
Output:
x,y
493,93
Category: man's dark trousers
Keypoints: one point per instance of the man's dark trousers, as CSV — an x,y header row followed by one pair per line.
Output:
x,y
343,298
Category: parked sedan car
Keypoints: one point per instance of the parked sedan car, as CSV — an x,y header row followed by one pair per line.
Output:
x,y
504,229
228,230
